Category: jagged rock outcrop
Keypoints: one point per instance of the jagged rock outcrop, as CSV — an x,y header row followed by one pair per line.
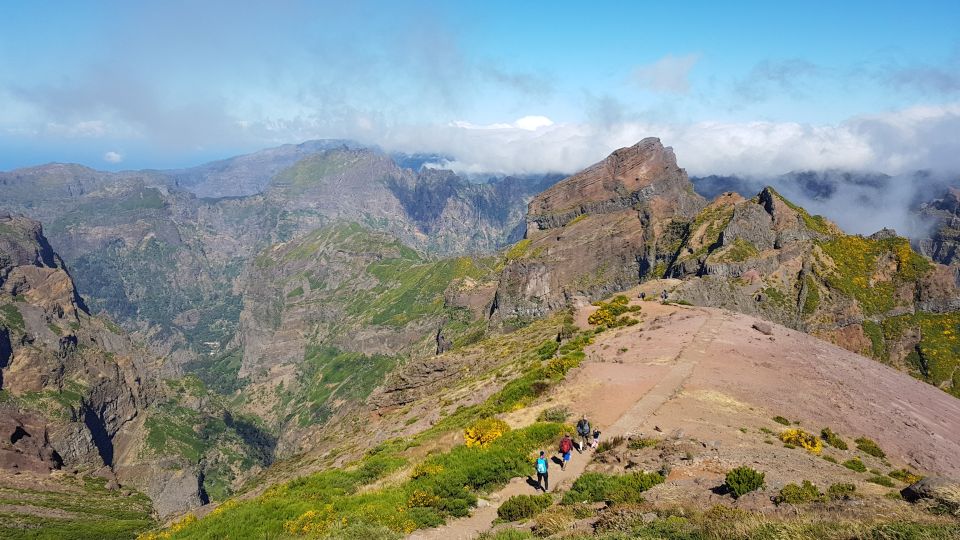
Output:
x,y
78,393
595,232
24,444
943,214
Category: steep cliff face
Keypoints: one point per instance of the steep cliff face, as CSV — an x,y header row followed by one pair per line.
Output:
x,y
595,232
76,392
327,316
943,215
633,217
168,264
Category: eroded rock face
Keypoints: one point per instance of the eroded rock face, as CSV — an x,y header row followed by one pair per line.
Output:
x,y
595,232
24,445
943,245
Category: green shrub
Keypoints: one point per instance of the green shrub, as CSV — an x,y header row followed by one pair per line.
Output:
x,y
557,414
610,444
781,420
521,507
841,491
881,481
599,487
831,459
611,314
867,446
794,494
548,349
905,476
637,444
743,480
506,534
855,465
833,439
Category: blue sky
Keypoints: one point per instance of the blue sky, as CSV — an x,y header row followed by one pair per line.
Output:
x,y
740,87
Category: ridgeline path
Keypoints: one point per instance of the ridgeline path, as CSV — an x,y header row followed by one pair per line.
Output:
x,y
605,399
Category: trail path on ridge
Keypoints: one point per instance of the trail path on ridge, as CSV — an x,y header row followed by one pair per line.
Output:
x,y
616,396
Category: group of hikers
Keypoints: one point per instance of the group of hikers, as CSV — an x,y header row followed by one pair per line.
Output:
x,y
588,438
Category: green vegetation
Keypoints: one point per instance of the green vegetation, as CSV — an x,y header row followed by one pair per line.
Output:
x,y
612,314
638,444
855,271
522,507
295,292
936,359
443,485
11,318
812,300
93,512
855,465
739,251
518,250
743,480
221,372
313,171
815,223
799,437
599,487
833,439
867,446
841,491
610,443
905,476
558,414
878,346
881,481
576,220
330,376
706,229
781,420
794,494
724,523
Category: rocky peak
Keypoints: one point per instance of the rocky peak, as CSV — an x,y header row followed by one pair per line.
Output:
x,y
646,172
22,243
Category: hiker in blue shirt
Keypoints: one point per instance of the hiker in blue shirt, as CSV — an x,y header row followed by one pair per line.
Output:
x,y
542,480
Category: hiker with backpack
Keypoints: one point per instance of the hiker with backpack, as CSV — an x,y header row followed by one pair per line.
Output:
x,y
542,474
566,448
583,430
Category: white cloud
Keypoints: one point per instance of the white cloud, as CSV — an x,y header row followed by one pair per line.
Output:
x,y
526,123
669,74
113,157
894,143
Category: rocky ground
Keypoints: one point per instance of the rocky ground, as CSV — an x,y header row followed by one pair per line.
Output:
x,y
700,387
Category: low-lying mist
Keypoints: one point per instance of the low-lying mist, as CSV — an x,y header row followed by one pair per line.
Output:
x,y
859,202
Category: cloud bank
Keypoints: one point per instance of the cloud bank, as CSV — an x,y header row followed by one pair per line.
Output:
x,y
922,137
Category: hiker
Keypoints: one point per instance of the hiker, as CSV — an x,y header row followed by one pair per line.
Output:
x,y
643,295
542,481
566,448
583,430
663,295
596,439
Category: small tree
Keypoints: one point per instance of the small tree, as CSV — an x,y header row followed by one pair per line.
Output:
x,y
743,480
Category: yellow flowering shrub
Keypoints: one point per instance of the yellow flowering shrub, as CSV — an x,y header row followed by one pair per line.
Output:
x,y
801,438
426,469
422,498
174,528
311,522
485,431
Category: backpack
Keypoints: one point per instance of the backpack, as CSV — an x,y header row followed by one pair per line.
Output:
x,y
566,445
583,427
541,465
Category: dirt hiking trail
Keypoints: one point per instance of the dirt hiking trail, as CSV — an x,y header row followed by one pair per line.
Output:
x,y
688,353
708,383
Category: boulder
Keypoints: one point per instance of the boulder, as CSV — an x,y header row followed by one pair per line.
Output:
x,y
941,490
